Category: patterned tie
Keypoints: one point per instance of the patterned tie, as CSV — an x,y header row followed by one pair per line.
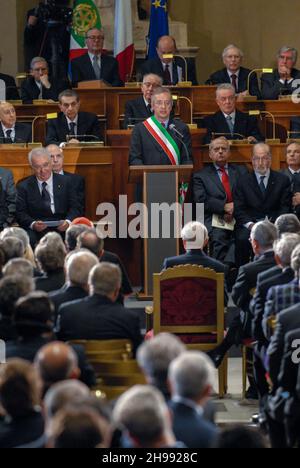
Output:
x,y
8,136
230,123
96,67
167,75
262,184
234,82
72,127
46,197
226,184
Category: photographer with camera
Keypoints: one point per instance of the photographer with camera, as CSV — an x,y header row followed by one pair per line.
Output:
x,y
47,34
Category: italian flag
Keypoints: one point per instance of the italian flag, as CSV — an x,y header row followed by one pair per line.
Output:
x,y
85,16
123,47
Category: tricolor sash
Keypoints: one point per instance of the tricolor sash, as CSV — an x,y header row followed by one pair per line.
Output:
x,y
164,139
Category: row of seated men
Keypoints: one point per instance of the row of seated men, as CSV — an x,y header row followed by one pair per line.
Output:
x,y
96,65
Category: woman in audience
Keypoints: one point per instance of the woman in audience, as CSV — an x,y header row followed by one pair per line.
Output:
x,y
50,255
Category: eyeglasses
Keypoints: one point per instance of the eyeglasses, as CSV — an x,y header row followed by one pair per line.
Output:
x,y
284,57
40,69
95,38
66,105
151,85
163,103
264,159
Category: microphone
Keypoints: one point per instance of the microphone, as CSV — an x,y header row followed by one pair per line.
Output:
x,y
222,134
91,137
273,140
180,137
257,70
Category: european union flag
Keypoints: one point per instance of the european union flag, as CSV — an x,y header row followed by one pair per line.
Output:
x,y
159,25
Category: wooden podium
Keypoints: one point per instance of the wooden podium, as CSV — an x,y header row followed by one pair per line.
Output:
x,y
161,220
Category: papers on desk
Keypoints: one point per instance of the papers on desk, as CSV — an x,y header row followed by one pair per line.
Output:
x,y
53,224
220,223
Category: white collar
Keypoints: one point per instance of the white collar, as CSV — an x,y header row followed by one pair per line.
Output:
x,y
75,121
48,182
233,73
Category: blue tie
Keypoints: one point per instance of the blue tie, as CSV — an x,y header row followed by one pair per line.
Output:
x,y
230,124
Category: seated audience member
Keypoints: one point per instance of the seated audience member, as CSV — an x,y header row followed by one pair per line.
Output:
x,y
90,240
281,81
56,362
44,197
235,74
22,425
262,237
95,65
191,377
72,234
61,395
77,269
155,141
78,427
24,237
259,195
172,71
12,248
77,181
99,316
8,198
140,109
50,254
19,266
40,85
230,122
282,296
145,419
12,93
154,358
11,289
293,173
215,187
240,437
12,131
71,123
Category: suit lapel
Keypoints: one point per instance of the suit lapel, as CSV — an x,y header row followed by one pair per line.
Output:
x,y
270,186
255,185
65,127
89,67
216,179
232,177
57,186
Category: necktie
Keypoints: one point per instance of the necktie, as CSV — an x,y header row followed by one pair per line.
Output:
x,y
46,197
8,136
226,184
230,123
72,127
96,67
262,184
234,82
167,75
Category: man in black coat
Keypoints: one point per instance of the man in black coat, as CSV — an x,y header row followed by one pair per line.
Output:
x,y
293,173
8,198
99,316
281,81
229,121
235,74
45,197
146,150
171,70
140,109
95,65
215,187
264,193
77,181
78,126
39,85
10,130
12,93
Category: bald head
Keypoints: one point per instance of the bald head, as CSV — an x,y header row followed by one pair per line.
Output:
x,y
56,362
165,46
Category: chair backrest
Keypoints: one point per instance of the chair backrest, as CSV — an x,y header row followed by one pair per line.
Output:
x,y
189,299
106,349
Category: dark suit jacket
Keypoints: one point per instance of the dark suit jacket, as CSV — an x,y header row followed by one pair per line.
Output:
x,y
82,70
208,189
252,206
244,125
191,428
135,112
67,293
110,257
12,93
197,257
58,129
8,198
30,91
51,281
144,149
23,134
97,318
222,76
289,371
247,279
258,304
78,183
29,201
295,127
155,66
272,88
288,320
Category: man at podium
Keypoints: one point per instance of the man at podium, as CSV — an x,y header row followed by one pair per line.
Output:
x,y
161,140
